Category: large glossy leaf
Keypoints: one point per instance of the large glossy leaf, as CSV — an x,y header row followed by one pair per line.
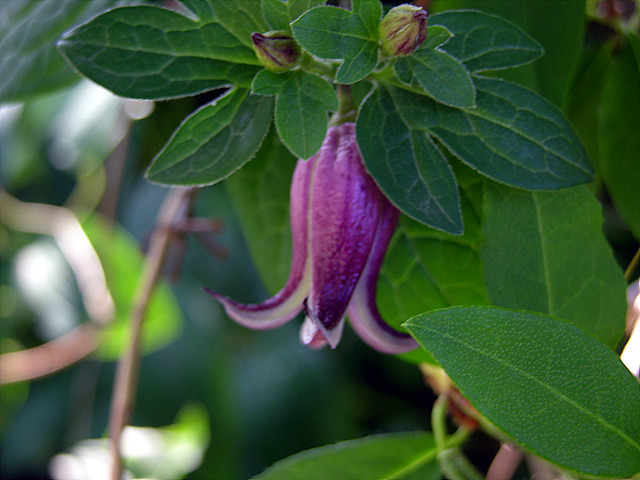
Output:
x,y
151,52
336,33
554,389
302,106
406,164
619,132
122,263
29,61
399,456
583,103
515,137
545,251
214,141
486,42
260,194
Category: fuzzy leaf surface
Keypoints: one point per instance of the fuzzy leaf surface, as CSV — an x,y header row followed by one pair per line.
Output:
x,y
29,61
302,105
513,136
280,13
548,385
406,163
486,42
441,76
339,34
213,141
240,17
151,52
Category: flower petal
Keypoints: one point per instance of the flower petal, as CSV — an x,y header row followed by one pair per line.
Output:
x,y
287,303
363,313
344,213
314,335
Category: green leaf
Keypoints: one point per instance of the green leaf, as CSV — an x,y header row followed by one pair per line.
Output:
x,y
123,263
276,13
150,52
425,269
436,37
552,388
560,28
241,18
29,61
302,105
619,132
545,251
398,456
279,13
513,136
214,141
486,42
442,76
583,103
260,194
557,26
406,164
336,33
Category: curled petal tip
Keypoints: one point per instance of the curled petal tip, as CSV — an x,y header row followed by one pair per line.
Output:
x,y
371,328
363,312
272,313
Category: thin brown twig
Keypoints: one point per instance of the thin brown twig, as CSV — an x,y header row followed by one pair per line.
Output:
x,y
174,211
50,357
64,226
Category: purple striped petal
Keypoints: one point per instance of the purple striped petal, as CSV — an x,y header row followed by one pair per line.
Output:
x,y
363,313
288,302
345,204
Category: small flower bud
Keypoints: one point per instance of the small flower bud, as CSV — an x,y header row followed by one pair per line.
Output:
x,y
276,50
403,30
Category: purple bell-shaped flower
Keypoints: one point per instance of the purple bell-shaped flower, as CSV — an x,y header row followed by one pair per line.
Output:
x,y
341,226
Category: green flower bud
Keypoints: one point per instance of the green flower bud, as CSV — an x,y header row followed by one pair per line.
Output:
x,y
276,50
403,30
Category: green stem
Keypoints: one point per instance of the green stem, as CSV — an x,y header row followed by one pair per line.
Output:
x,y
439,422
311,64
452,460
347,109
456,466
453,441
633,264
